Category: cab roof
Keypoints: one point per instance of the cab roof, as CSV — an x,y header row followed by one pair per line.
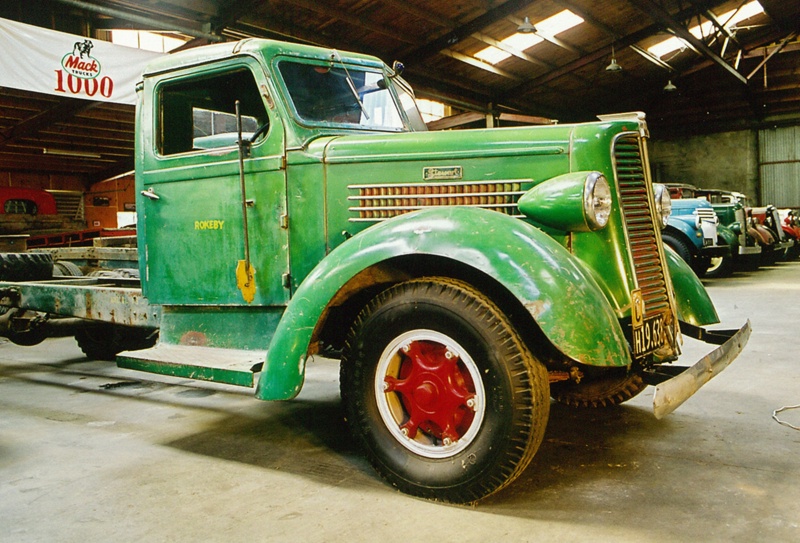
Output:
x,y
255,47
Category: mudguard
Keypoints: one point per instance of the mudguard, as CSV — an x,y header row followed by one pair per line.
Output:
x,y
728,236
685,225
694,304
560,294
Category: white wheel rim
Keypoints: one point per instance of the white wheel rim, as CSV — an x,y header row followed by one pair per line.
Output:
x,y
403,400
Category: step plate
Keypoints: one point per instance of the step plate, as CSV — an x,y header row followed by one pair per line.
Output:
x,y
231,366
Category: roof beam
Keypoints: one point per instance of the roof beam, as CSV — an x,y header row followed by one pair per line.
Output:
x,y
472,61
475,25
66,109
552,39
231,11
652,58
345,16
511,50
139,19
610,32
661,16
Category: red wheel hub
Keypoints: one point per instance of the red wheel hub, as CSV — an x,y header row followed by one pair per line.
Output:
x,y
436,391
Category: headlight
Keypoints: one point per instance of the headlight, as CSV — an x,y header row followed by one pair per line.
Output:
x,y
663,203
596,200
573,202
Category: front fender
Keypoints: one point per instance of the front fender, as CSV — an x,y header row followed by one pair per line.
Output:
x,y
560,295
694,303
687,229
728,236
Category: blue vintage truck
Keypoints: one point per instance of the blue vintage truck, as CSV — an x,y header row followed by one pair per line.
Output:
x,y
693,232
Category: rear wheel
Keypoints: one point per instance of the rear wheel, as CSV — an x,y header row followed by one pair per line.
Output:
x,y
25,266
441,393
65,268
611,387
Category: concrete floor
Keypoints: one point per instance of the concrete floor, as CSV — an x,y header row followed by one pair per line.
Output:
x,y
90,452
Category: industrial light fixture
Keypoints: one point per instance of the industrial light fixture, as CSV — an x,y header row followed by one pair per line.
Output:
x,y
69,152
669,87
526,27
613,66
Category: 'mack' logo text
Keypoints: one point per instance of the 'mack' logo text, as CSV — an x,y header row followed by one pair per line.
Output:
x,y
80,63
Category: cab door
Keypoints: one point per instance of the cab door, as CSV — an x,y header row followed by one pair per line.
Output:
x,y
190,206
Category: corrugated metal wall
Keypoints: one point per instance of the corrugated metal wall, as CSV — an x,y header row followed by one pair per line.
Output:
x,y
779,166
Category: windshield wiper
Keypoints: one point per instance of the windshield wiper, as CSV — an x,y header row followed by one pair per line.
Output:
x,y
336,56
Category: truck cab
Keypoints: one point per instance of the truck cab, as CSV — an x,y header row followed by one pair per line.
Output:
x,y
291,203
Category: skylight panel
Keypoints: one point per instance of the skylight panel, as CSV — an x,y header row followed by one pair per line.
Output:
x,y
728,19
560,22
492,55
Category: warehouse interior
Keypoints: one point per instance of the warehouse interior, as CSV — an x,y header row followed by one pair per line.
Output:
x,y
92,451
731,87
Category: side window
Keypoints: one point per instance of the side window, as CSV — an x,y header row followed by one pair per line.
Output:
x,y
200,113
20,207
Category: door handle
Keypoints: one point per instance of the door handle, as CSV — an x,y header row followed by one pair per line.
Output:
x,y
150,193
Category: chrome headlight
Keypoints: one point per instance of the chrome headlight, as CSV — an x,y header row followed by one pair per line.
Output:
x,y
572,202
663,203
596,200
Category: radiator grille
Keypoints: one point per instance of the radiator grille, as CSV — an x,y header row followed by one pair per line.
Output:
x,y
706,214
379,202
633,191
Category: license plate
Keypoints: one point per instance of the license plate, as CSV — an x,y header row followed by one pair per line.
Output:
x,y
649,336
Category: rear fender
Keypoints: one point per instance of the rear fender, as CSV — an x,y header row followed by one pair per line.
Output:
x,y
559,293
694,304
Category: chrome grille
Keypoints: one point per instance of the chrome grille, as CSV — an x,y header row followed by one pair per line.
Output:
x,y
633,192
706,214
380,202
741,218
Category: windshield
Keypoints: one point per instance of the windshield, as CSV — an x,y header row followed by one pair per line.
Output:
x,y
409,104
330,94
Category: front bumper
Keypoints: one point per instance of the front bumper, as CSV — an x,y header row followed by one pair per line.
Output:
x,y
749,249
711,251
674,385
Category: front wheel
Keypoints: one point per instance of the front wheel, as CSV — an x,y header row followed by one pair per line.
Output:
x,y
441,393
721,266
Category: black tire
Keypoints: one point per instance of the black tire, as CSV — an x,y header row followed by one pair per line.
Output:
x,y
749,263
684,250
611,387
679,245
473,399
769,256
106,341
721,266
25,266
65,268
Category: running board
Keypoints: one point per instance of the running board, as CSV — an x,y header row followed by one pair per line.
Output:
x,y
231,366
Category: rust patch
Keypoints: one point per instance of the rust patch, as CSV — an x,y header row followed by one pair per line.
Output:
x,y
537,308
194,338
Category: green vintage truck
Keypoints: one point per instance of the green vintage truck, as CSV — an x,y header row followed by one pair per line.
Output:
x,y
293,204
